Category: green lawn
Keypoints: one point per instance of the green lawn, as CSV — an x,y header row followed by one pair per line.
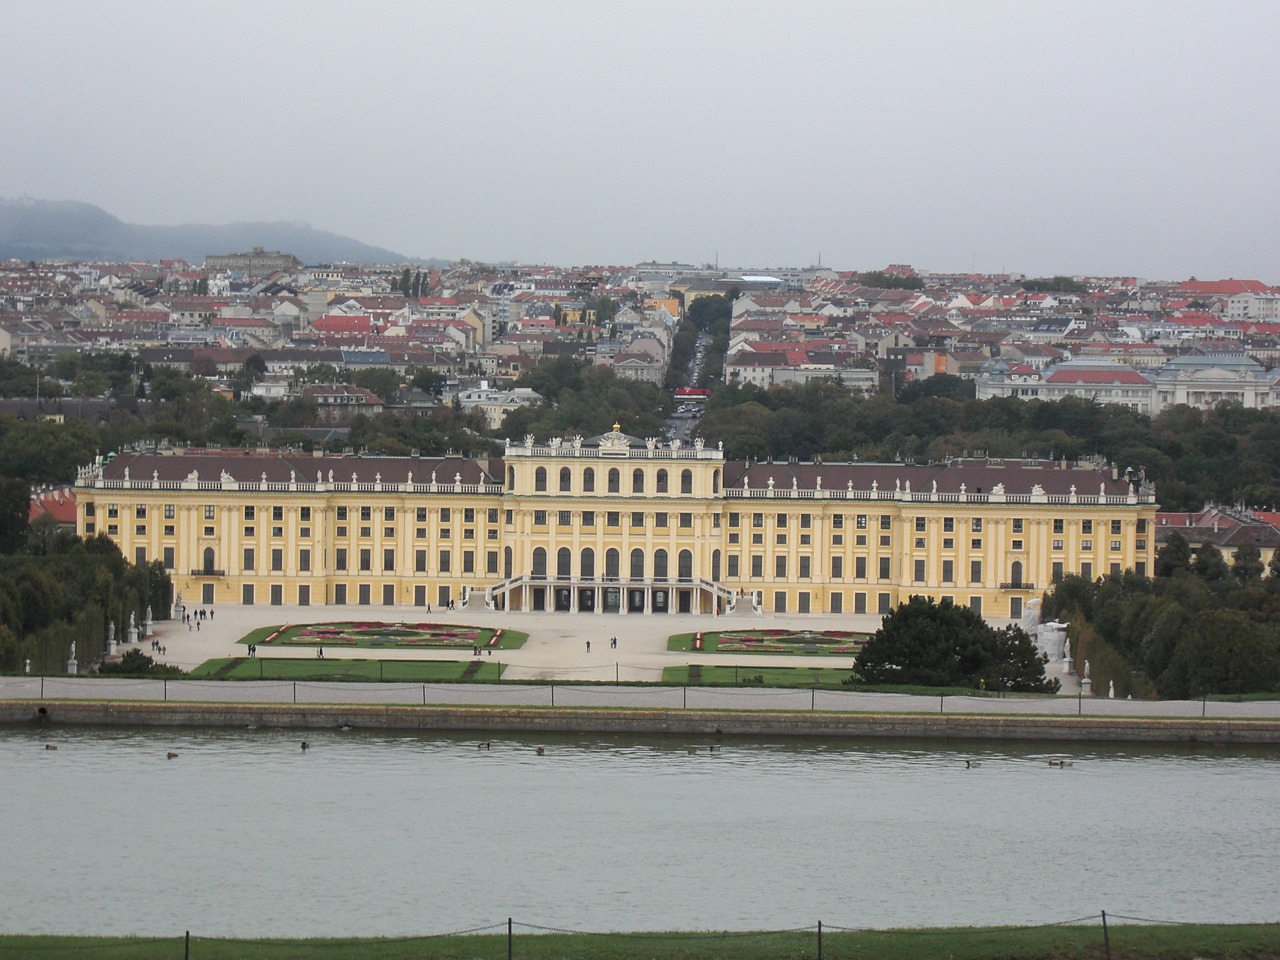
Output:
x,y
828,678
808,643
478,670
1073,942
381,635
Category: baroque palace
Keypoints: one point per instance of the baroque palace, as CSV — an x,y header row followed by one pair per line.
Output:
x,y
615,524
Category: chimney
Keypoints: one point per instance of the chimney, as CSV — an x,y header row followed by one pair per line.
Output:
x,y
1115,474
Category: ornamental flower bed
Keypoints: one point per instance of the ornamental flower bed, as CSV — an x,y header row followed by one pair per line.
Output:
x,y
790,641
376,634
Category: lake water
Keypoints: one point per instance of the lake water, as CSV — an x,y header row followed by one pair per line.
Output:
x,y
244,834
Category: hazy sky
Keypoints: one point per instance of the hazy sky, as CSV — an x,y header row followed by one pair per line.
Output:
x,y
1073,137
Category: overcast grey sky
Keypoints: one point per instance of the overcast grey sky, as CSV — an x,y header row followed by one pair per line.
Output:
x,y
1104,137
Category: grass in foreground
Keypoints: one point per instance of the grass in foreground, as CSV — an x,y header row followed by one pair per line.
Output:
x,y
824,678
1127,942
478,670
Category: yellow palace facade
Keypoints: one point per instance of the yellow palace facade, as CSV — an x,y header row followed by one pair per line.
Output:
x,y
615,525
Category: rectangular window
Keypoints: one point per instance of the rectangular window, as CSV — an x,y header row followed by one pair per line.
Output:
x,y
420,514
168,558
757,519
366,514
420,561
781,520
588,518
860,568
837,568
340,531
277,531
304,514
208,512
140,512
917,573
366,559
468,561
342,513
920,524
389,532
757,565
948,571
948,524
445,513
1017,526
366,531
1086,527
886,541
734,538
859,603
976,525
491,562
304,561
1057,571
1084,544
1058,525
248,513
975,571
782,539
420,533
1116,545
444,561
170,511
975,544
564,518
886,522
1086,571
277,514
948,543
733,566
884,568
919,543
757,538
248,531
1116,527
511,515
468,515
805,539
612,518
637,519
539,518
1015,545
779,601
277,560
493,515
861,521
804,521
733,519
780,567
837,521
388,559
837,539
1057,544
140,530
837,603
660,520
805,565
1142,526
340,558
248,558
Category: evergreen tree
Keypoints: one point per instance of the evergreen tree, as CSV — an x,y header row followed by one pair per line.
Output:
x,y
1247,565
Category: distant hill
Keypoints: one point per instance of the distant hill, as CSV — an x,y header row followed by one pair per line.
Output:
x,y
67,230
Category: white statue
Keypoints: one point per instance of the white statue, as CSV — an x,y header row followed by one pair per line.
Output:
x,y
1066,650
1086,669
111,632
73,651
133,623
1111,691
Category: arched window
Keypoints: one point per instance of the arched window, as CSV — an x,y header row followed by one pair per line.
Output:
x,y
511,478
660,565
565,479
637,564
661,485
506,563
685,565
715,565
539,562
637,480
1015,573
615,480
611,564
587,570
564,557
540,480
715,481
686,481
208,560
589,480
